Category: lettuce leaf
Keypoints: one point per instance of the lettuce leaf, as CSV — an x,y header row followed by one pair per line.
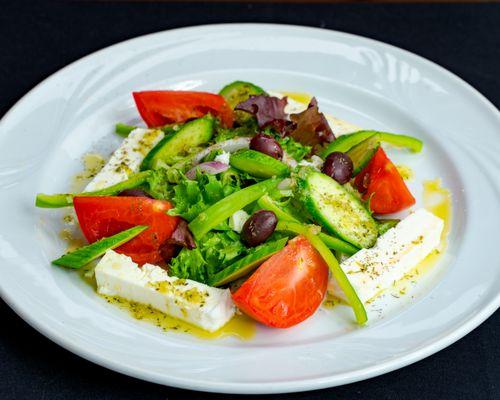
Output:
x,y
268,110
191,197
311,127
213,253
249,128
295,149
161,182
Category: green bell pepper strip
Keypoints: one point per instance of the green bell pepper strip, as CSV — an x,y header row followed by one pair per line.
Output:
x,y
331,242
123,129
385,224
346,142
66,199
223,209
337,244
84,255
333,264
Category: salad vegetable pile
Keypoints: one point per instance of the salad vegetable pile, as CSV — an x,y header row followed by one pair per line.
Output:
x,y
246,200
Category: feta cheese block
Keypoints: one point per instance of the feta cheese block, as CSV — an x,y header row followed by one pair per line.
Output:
x,y
341,127
201,305
395,253
127,159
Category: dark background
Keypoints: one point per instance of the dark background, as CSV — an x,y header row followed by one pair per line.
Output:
x,y
38,38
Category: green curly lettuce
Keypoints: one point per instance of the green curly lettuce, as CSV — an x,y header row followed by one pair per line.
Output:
x,y
191,197
293,148
214,251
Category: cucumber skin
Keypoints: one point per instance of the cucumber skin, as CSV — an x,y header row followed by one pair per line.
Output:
x,y
165,144
258,164
238,91
346,142
266,203
311,207
240,86
360,162
240,268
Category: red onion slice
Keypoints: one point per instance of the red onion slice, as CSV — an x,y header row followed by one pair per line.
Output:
x,y
210,167
229,146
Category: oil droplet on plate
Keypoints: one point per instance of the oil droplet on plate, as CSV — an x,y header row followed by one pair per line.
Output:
x,y
72,240
239,326
303,98
92,164
406,172
437,200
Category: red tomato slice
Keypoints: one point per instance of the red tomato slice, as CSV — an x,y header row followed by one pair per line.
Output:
x,y
105,216
160,107
381,182
287,288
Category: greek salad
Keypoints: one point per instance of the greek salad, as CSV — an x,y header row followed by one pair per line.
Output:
x,y
247,201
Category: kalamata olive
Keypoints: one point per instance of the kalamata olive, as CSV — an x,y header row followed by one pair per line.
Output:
x,y
258,227
338,166
267,145
134,193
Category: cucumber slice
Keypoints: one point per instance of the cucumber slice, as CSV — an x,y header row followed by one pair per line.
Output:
x,y
266,203
82,256
239,91
192,134
346,142
247,264
362,153
258,164
331,205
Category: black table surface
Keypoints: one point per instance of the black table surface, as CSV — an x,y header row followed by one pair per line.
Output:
x,y
38,38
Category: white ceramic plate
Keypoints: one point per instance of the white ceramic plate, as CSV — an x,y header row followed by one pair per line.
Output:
x,y
363,81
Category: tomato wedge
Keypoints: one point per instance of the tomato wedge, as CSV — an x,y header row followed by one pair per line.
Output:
x,y
381,182
287,288
161,107
105,216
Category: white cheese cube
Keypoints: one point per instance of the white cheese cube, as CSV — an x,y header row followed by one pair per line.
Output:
x,y
223,157
201,305
395,253
237,220
127,159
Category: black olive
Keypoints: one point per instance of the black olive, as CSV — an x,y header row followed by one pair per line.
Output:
x,y
258,227
338,166
134,193
267,145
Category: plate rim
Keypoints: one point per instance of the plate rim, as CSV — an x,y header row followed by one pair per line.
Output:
x,y
282,386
